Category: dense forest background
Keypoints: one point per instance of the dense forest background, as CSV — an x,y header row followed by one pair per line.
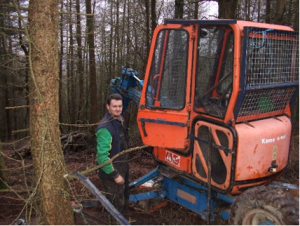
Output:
x,y
97,38
57,58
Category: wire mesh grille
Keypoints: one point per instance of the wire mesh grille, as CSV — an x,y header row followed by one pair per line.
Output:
x,y
272,59
263,101
272,71
174,73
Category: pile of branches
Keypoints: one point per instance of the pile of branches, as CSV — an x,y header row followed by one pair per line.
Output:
x,y
77,142
69,142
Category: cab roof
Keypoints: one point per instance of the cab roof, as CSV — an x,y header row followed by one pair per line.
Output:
x,y
241,23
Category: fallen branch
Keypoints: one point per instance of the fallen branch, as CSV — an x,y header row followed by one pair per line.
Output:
x,y
73,176
23,151
15,191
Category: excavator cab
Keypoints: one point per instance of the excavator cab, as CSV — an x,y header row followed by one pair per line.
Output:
x,y
220,92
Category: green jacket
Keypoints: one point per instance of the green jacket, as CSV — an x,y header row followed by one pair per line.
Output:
x,y
104,140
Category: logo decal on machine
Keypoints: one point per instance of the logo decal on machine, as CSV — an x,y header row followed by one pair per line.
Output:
x,y
173,158
272,140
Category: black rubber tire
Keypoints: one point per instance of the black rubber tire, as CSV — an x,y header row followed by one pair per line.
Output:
x,y
274,204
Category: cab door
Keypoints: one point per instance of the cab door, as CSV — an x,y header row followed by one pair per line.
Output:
x,y
214,138
163,116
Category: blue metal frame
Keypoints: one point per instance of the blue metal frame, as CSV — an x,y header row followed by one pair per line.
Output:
x,y
266,222
126,85
188,197
184,192
153,174
187,193
159,194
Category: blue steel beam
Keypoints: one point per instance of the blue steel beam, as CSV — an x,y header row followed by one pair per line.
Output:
x,y
183,191
103,200
159,194
154,173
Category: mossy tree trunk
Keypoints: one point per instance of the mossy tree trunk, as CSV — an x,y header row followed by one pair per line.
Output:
x,y
46,149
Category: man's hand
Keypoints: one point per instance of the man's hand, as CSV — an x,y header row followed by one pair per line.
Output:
x,y
119,180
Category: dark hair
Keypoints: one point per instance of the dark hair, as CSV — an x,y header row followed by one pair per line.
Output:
x,y
113,96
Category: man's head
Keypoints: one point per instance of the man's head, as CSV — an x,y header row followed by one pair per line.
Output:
x,y
114,104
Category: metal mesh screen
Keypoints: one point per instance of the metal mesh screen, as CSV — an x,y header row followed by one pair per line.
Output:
x,y
268,100
272,71
272,59
174,73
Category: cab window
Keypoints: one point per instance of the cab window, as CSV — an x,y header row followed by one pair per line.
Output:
x,y
167,78
214,70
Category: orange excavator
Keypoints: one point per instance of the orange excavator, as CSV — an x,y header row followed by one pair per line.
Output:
x,y
215,106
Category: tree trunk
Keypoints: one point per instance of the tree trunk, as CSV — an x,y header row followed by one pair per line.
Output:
x,y
179,9
147,25
258,11
123,47
247,9
2,170
48,159
8,81
227,9
196,9
110,62
153,18
296,19
92,63
297,28
268,11
4,126
23,117
279,12
117,37
72,99
80,64
63,107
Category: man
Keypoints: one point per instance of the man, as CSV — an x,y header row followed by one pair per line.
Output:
x,y
111,140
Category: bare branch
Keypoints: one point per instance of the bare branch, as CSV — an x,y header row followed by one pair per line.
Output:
x,y
72,176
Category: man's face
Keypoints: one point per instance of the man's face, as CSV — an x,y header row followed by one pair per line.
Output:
x,y
115,108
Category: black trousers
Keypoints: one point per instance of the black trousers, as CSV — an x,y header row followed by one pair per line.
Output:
x,y
118,194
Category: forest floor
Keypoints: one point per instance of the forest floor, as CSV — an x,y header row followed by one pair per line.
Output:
x,y
20,175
